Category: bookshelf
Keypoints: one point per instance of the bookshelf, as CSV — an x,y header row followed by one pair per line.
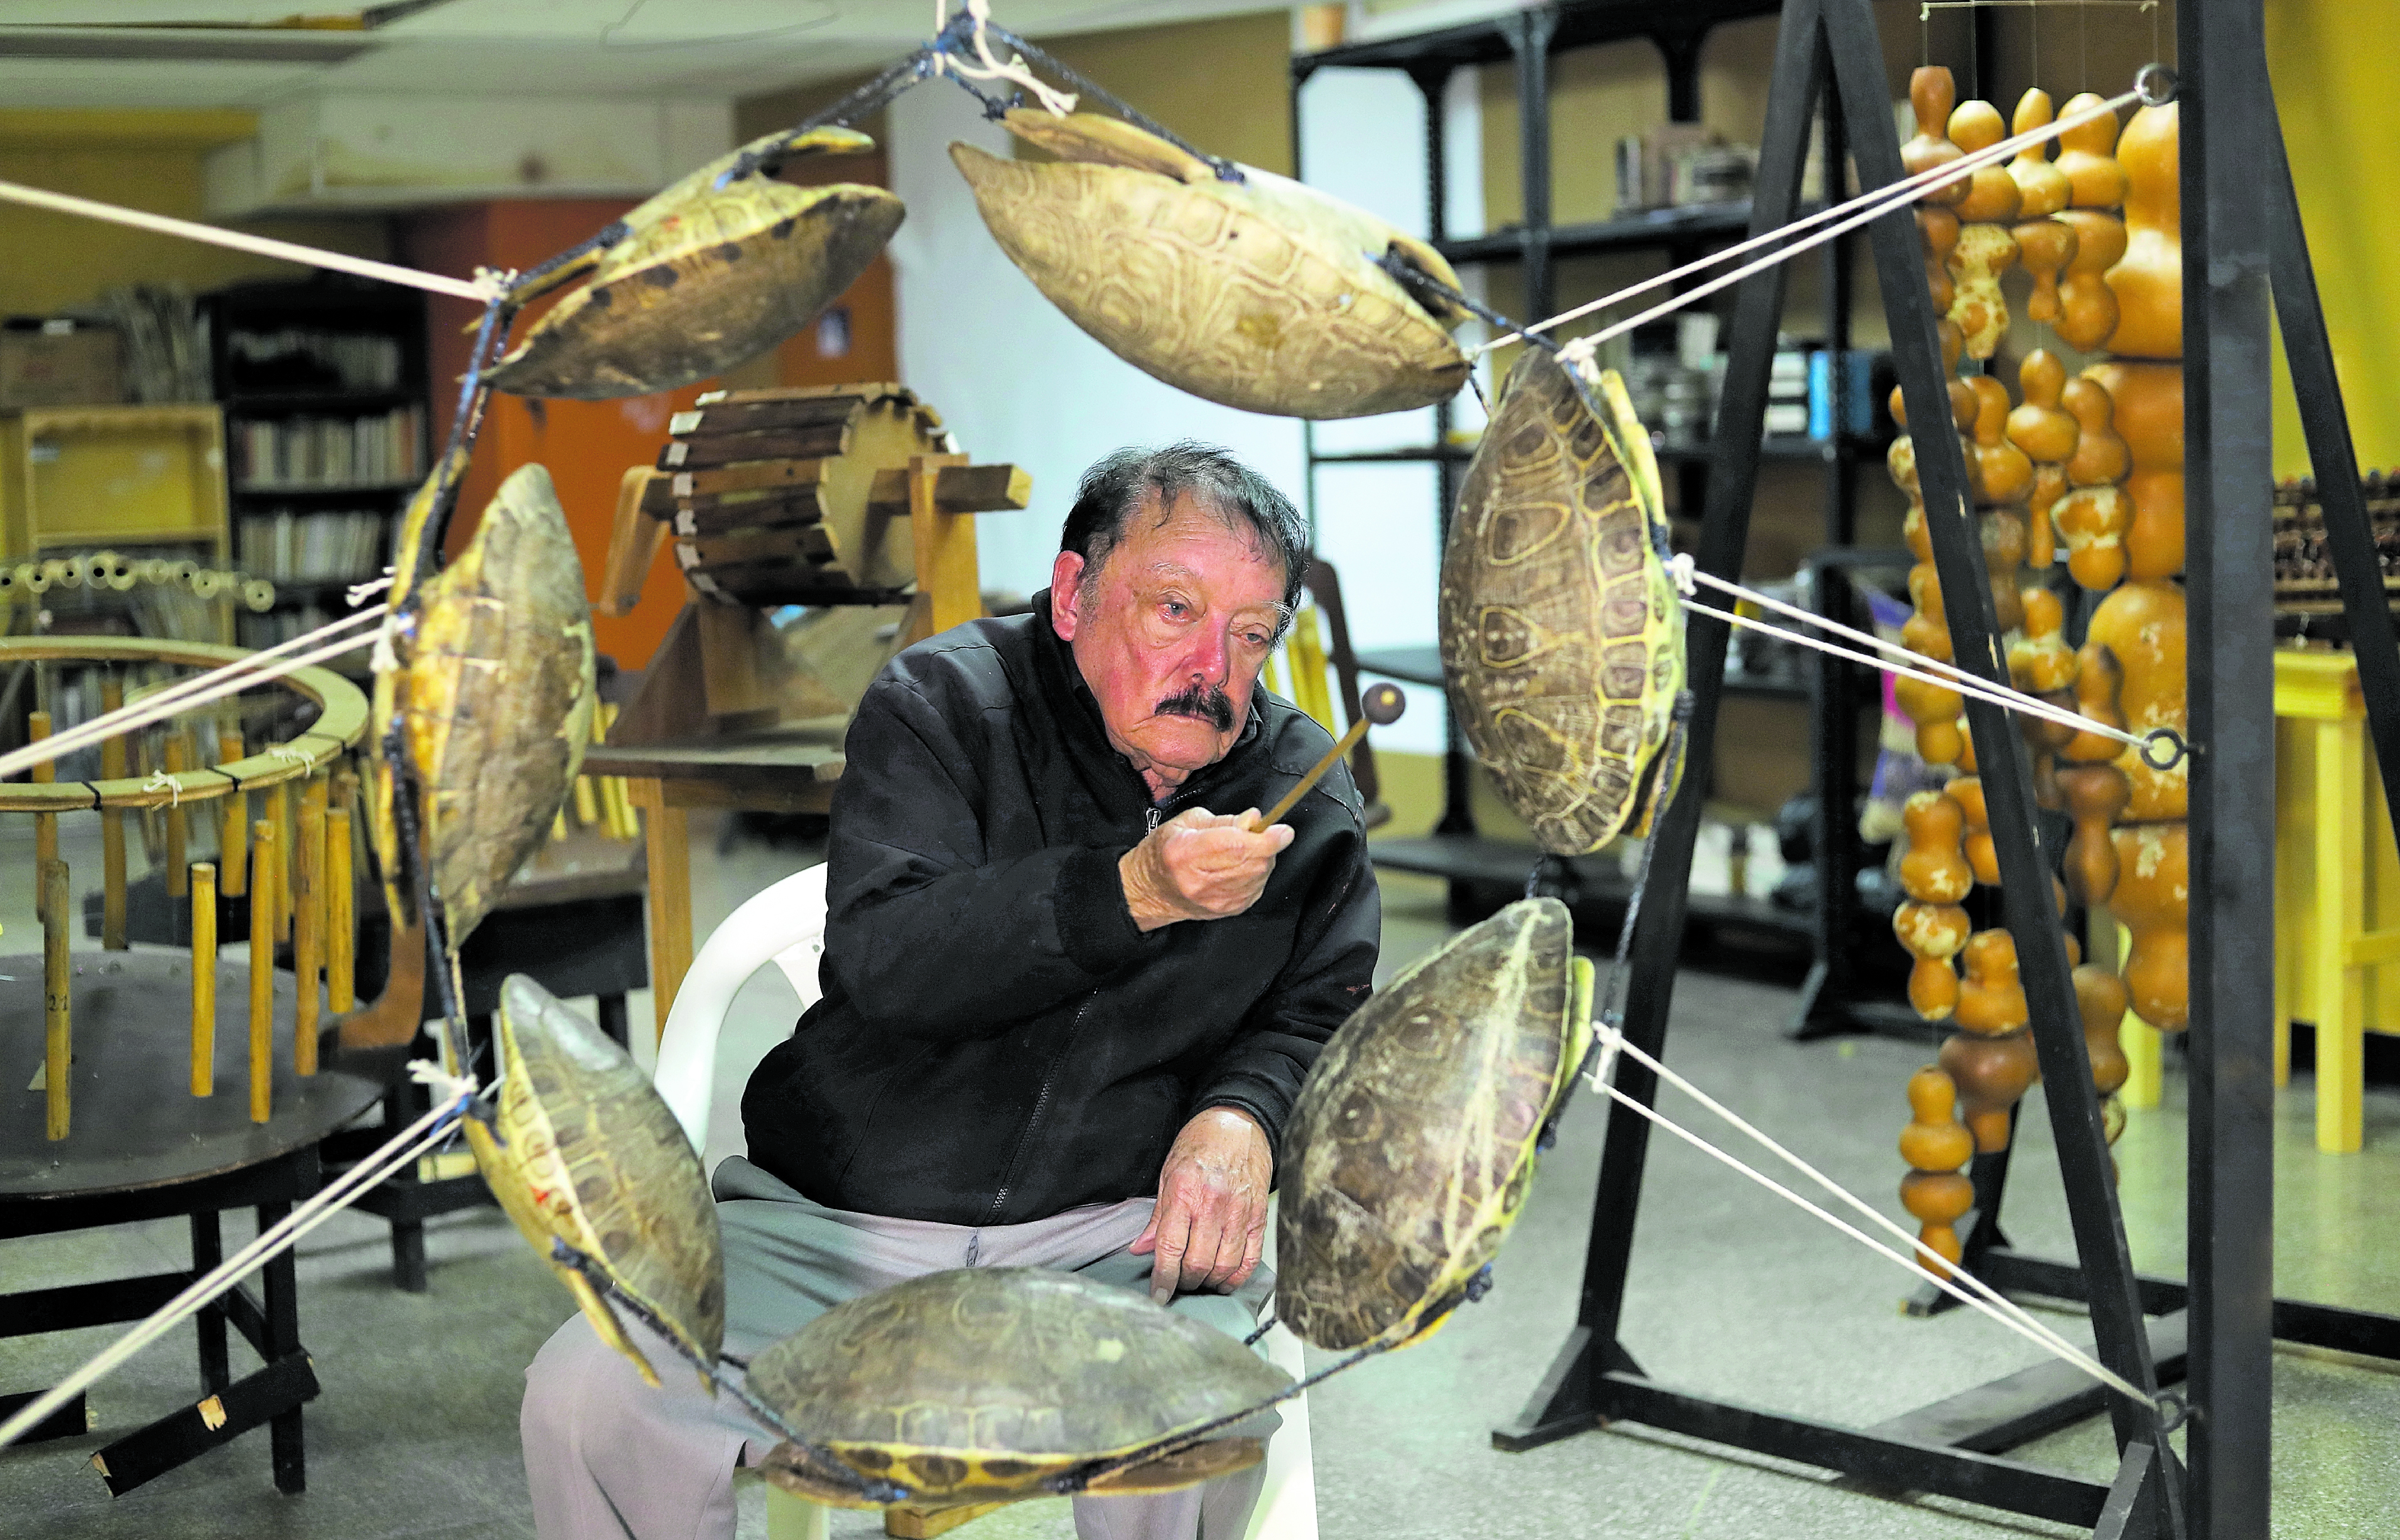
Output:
x,y
324,384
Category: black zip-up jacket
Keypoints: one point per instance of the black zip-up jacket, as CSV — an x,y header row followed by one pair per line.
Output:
x,y
998,1042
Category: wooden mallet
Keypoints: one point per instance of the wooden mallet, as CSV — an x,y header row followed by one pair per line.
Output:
x,y
1380,706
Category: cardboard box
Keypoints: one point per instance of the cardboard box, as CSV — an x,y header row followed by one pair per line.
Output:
x,y
59,364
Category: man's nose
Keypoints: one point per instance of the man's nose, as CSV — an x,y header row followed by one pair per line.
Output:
x,y
1211,659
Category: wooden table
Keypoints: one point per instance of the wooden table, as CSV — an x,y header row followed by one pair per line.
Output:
x,y
2337,885
790,771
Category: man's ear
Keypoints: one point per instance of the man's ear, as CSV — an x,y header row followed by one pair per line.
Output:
x,y
1066,583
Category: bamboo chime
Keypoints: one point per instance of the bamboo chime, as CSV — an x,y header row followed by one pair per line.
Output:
x,y
296,870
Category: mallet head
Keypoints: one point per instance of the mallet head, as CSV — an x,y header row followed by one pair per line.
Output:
x,y
1382,704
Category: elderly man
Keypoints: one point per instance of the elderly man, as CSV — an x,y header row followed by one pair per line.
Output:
x,y
1070,993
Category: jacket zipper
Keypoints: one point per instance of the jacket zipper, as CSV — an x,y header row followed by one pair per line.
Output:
x,y
1041,1102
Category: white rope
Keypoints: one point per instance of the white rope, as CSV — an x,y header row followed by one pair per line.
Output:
x,y
336,1196
482,290
1875,204
361,593
1998,1306
173,699
1014,72
1952,678
172,785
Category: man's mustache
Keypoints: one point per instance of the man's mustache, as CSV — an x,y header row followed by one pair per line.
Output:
x,y
1209,704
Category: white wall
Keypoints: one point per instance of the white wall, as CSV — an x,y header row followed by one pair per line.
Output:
x,y
1362,134
1017,381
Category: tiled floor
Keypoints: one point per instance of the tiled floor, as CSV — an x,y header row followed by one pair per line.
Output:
x,y
1731,1293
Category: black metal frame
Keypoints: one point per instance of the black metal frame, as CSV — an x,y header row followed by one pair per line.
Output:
x,y
272,1395
1482,873
2218,1328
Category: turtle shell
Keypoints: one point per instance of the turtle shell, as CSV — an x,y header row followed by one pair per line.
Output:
x,y
1561,634
1262,294
1412,1146
983,1385
583,1149
492,691
705,278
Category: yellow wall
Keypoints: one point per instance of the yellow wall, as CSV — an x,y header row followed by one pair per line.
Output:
x,y
1223,83
2342,119
147,161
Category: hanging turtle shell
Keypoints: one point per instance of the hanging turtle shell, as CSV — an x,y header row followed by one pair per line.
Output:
x,y
1262,294
986,1384
584,1151
703,277
492,691
1561,634
1412,1147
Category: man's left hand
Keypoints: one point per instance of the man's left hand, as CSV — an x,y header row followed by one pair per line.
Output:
x,y
1211,1220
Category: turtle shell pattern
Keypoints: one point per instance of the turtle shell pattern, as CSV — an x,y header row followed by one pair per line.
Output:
x,y
705,278
982,1385
1561,634
1412,1146
583,1149
493,692
1262,294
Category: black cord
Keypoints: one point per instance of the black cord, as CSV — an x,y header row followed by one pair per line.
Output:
x,y
1421,282
767,155
600,240
1226,169
598,1276
1083,1476
1611,1006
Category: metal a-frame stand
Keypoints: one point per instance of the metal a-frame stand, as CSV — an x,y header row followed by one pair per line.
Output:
x,y
2236,224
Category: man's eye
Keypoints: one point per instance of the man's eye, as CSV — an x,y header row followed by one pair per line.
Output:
x,y
1175,609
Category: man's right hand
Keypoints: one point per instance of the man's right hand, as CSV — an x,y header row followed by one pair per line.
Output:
x,y
1199,866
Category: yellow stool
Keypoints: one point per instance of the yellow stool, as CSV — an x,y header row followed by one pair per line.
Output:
x,y
2336,884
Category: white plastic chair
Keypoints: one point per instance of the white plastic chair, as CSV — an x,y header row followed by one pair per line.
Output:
x,y
784,924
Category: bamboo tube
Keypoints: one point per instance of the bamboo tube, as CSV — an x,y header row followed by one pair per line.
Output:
x,y
616,803
274,875
233,824
45,825
262,971
112,829
587,802
308,922
178,874
204,979
558,825
341,911
57,1045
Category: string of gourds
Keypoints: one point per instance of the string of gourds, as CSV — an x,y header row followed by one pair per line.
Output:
x,y
2092,464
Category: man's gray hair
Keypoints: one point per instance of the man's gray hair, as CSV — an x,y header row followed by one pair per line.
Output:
x,y
1123,482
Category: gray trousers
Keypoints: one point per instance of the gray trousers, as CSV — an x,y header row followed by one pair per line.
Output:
x,y
608,1458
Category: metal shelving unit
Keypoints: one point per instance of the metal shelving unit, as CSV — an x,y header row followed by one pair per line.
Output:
x,y
1477,866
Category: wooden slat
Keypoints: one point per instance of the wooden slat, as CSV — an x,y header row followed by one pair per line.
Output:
x,y
732,417
761,584
958,489
716,515
756,476
868,390
816,443
775,547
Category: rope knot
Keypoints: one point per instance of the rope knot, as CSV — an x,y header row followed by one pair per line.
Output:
x,y
1679,568
446,1087
160,780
